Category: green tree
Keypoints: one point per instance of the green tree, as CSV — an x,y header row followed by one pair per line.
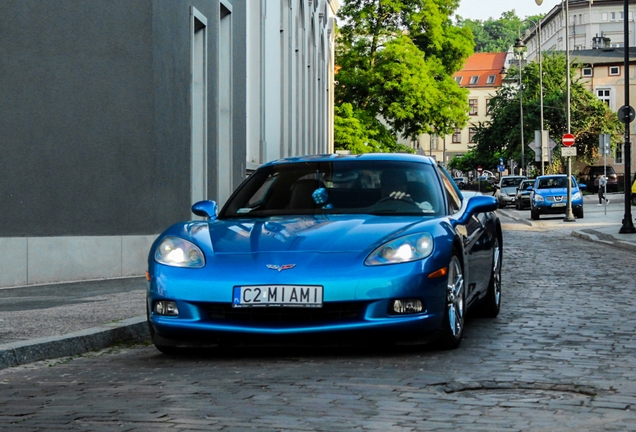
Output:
x,y
498,35
501,136
395,62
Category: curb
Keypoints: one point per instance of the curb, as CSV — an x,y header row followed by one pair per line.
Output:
x,y
518,219
617,243
72,344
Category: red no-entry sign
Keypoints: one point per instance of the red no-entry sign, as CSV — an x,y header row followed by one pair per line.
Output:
x,y
568,140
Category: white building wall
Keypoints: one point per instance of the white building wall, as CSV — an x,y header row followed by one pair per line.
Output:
x,y
289,78
587,20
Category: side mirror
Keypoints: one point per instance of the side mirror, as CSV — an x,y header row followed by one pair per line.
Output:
x,y
479,204
207,208
582,186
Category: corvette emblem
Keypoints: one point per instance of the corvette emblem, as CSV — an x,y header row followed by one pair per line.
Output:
x,y
281,268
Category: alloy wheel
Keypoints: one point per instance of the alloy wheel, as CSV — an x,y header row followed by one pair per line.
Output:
x,y
455,297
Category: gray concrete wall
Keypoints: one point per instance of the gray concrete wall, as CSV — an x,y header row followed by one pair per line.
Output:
x,y
77,103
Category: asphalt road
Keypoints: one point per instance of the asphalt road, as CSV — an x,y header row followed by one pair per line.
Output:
x,y
559,357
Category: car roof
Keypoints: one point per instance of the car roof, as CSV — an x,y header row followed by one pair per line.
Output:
x,y
551,176
397,157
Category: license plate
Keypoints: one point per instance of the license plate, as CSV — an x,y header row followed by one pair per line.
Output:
x,y
277,295
558,205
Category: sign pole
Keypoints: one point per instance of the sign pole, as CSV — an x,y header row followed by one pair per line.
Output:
x,y
568,140
626,114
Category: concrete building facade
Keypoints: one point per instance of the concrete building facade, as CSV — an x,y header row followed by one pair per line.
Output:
x,y
117,115
596,41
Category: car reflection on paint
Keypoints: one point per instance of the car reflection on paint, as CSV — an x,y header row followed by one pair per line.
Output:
x,y
377,246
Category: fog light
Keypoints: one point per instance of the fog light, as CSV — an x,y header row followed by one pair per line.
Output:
x,y
407,306
166,308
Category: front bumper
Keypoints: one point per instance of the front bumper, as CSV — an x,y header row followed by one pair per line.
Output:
x,y
352,306
555,209
507,200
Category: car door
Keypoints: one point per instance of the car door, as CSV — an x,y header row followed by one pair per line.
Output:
x,y
477,245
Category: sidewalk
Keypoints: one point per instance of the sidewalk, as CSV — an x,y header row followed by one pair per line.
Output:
x,y
68,319
41,322
600,223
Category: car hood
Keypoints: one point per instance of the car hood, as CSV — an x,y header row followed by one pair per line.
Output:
x,y
509,190
555,191
311,233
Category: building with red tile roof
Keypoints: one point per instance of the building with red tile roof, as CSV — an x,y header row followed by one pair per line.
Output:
x,y
482,76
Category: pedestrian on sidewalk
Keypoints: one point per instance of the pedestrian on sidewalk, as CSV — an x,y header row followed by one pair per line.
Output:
x,y
602,182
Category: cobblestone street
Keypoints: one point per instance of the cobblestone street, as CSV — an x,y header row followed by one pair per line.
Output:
x,y
561,356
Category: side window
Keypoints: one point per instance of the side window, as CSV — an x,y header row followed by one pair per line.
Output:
x,y
452,191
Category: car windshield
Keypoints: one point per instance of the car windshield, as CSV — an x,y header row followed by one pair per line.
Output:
x,y
525,185
338,187
553,182
510,182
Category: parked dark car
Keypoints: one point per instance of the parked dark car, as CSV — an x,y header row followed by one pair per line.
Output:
x,y
591,173
506,192
523,194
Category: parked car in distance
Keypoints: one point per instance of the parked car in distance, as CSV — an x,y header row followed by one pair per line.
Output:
x,y
591,174
485,178
506,192
462,182
396,254
523,193
549,196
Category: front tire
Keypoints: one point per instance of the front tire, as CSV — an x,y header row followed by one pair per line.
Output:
x,y
534,214
454,314
579,214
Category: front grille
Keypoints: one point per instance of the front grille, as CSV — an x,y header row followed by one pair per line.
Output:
x,y
328,313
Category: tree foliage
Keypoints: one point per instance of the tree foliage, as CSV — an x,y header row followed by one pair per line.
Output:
x,y
498,35
395,62
501,136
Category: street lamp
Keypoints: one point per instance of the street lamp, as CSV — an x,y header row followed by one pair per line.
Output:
x,y
569,216
628,115
519,47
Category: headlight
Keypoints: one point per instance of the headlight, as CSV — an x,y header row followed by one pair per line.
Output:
x,y
177,252
404,249
576,196
538,197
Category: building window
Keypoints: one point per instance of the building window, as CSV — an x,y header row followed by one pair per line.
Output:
x,y
457,136
587,72
458,79
471,134
604,95
474,79
434,142
491,79
604,16
615,70
612,16
621,15
618,154
472,107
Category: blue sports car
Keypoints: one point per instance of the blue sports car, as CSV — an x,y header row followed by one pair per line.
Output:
x,y
382,246
550,196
